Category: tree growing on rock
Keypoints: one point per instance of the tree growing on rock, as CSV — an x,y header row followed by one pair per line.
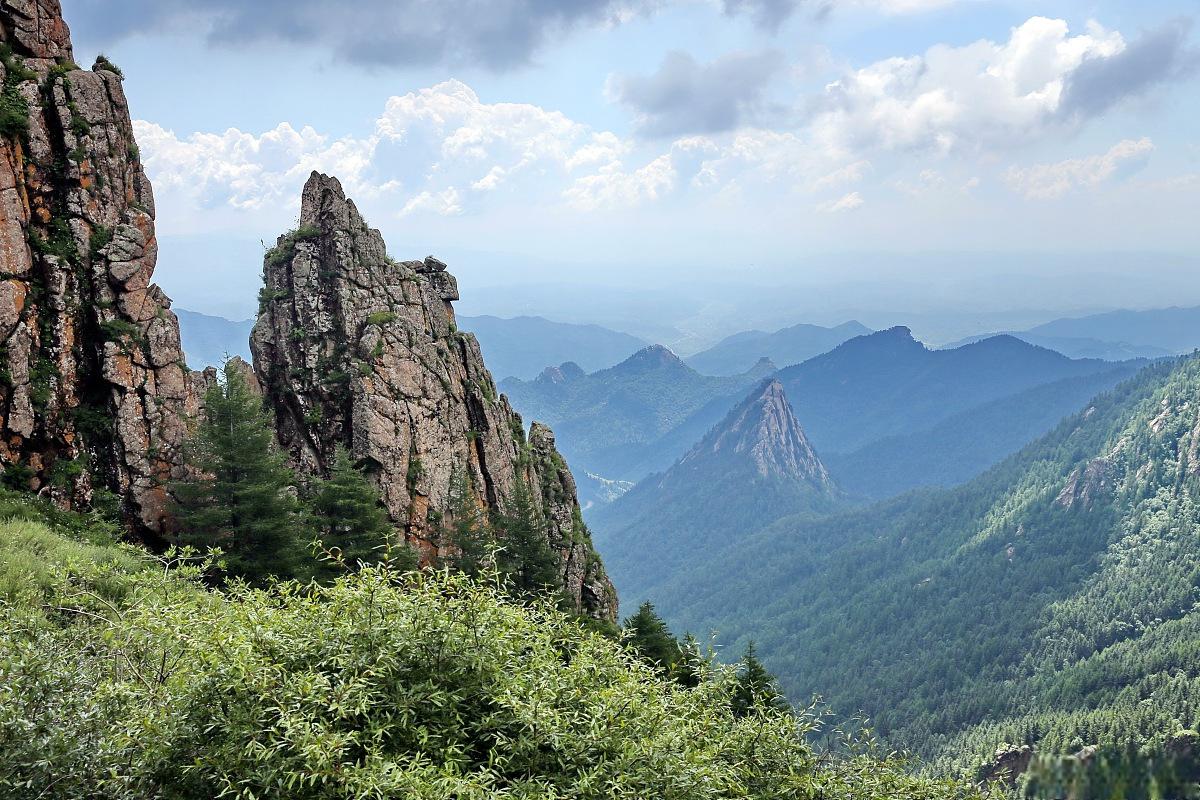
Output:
x,y
351,521
241,496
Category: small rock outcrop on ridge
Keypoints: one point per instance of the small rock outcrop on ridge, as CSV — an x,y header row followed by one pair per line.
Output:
x,y
354,348
94,394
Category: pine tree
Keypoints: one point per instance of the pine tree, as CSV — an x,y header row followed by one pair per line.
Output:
x,y
525,558
241,495
651,639
756,687
350,519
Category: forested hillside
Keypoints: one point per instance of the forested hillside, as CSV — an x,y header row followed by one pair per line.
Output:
x,y
1050,601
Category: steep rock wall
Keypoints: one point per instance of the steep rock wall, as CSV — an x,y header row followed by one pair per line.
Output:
x,y
94,394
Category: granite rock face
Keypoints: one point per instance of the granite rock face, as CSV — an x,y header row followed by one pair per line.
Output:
x,y
94,393
354,348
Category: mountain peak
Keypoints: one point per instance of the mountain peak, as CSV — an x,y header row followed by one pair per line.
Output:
x,y
656,356
764,430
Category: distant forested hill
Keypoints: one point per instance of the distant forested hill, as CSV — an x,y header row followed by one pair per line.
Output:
x,y
1118,335
606,420
1052,600
208,340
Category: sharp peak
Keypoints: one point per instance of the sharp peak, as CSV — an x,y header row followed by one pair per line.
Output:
x,y
654,355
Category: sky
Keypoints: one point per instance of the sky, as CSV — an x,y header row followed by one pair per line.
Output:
x,y
1010,148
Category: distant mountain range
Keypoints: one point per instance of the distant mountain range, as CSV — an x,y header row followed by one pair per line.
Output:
x,y
876,407
889,384
522,347
612,422
208,340
793,345
1117,335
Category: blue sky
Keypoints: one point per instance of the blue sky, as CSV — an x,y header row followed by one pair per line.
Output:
x,y
657,141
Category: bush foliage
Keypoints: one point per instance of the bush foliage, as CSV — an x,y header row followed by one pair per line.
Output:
x,y
121,676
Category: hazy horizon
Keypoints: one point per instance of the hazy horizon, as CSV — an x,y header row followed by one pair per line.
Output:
x,y
958,165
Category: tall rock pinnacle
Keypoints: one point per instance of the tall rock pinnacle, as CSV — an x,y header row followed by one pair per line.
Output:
x,y
94,393
764,431
357,349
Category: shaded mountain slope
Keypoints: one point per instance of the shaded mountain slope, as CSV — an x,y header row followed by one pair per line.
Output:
x,y
888,384
1052,599
962,446
755,466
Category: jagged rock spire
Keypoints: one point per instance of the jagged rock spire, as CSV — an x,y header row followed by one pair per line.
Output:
x,y
764,431
354,348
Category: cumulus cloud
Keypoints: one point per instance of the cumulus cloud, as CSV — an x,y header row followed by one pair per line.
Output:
x,y
1047,181
684,96
986,95
495,33
438,150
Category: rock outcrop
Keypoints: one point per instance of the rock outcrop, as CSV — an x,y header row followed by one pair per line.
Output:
x,y
354,348
94,394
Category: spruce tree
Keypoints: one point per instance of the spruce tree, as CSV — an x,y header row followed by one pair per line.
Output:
x,y
241,495
756,687
651,639
525,558
350,519
468,540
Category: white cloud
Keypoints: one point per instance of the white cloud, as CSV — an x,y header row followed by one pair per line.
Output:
x,y
613,187
851,202
979,96
445,203
443,150
1045,181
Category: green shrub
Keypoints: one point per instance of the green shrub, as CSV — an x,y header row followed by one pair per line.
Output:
x,y
424,687
102,63
381,318
115,330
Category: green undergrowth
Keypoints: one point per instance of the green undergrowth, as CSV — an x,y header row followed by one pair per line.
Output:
x,y
123,676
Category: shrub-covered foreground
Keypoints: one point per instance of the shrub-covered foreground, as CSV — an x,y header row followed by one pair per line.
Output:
x,y
122,677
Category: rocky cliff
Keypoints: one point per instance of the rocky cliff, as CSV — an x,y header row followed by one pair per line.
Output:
x,y
94,394
355,348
